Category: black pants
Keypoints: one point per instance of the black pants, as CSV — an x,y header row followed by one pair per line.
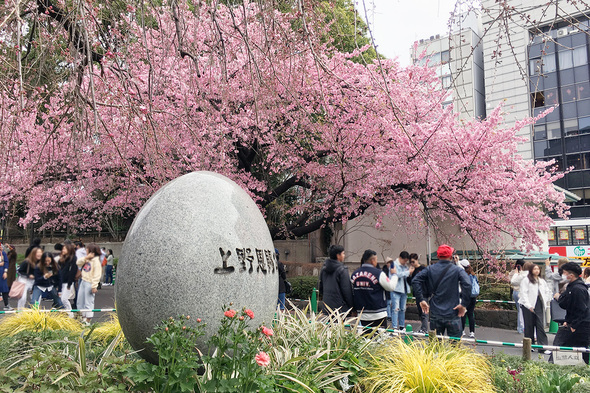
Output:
x,y
5,298
566,338
423,319
469,314
535,322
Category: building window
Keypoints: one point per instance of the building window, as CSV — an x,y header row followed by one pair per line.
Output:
x,y
446,82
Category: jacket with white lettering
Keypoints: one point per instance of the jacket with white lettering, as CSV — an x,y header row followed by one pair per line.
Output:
x,y
369,286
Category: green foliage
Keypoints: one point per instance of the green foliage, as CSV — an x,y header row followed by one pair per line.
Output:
x,y
511,375
174,341
302,287
317,352
63,365
556,382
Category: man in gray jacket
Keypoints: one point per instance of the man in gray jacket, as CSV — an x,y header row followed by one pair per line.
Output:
x,y
334,284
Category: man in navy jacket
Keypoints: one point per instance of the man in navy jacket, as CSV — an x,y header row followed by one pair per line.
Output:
x,y
575,331
441,283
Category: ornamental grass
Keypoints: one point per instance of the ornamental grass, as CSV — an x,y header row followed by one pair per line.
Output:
x,y
427,366
109,330
35,320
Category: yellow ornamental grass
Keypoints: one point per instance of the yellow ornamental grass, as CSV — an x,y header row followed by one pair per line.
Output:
x,y
425,367
107,331
34,320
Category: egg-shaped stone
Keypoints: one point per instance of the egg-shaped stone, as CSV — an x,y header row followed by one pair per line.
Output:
x,y
197,245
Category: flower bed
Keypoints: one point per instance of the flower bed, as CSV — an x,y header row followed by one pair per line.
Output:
x,y
298,353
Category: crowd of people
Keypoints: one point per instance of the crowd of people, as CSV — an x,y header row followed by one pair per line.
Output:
x,y
69,276
446,293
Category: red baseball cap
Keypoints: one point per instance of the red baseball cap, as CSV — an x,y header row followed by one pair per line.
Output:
x,y
444,252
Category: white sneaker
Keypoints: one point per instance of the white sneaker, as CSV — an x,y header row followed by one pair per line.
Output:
x,y
471,335
547,352
8,308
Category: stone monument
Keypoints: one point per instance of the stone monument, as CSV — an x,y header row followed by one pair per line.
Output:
x,y
197,244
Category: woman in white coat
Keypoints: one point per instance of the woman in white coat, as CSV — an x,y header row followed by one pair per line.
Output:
x,y
533,296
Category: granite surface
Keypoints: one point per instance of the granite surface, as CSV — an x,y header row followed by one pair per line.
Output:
x,y
197,245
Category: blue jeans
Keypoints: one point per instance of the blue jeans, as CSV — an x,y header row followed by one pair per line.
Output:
x,y
52,294
452,325
281,301
398,309
109,274
519,318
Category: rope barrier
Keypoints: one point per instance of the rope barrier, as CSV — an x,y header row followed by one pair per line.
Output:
x,y
486,342
59,310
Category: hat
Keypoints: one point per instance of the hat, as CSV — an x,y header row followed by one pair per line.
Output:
x,y
444,252
464,263
388,259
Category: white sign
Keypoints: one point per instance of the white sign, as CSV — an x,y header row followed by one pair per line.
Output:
x,y
567,358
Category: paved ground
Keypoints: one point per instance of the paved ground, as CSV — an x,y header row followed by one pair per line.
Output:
x,y
105,298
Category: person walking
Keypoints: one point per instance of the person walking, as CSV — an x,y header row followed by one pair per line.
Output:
x,y
282,279
470,313
26,274
399,296
4,289
387,268
415,268
91,274
110,266
369,289
516,275
533,298
12,256
334,283
67,272
441,282
575,331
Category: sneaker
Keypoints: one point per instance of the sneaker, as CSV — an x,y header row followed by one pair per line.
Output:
x,y
8,308
547,352
471,335
402,329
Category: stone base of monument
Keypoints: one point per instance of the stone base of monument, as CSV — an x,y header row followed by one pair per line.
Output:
x,y
197,245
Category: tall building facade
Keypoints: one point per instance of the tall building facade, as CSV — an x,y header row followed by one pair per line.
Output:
x,y
535,64
458,60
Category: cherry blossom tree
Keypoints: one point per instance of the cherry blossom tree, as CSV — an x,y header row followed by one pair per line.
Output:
x,y
257,95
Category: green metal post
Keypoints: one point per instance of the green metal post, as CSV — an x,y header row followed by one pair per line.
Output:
x,y
314,301
408,338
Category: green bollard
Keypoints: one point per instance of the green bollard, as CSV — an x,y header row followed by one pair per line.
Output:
x,y
314,301
408,338
553,326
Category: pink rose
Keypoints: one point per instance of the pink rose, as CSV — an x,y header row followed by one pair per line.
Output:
x,y
249,313
267,332
230,313
262,359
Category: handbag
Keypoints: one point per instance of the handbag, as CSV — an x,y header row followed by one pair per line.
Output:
x,y
17,289
557,313
288,287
